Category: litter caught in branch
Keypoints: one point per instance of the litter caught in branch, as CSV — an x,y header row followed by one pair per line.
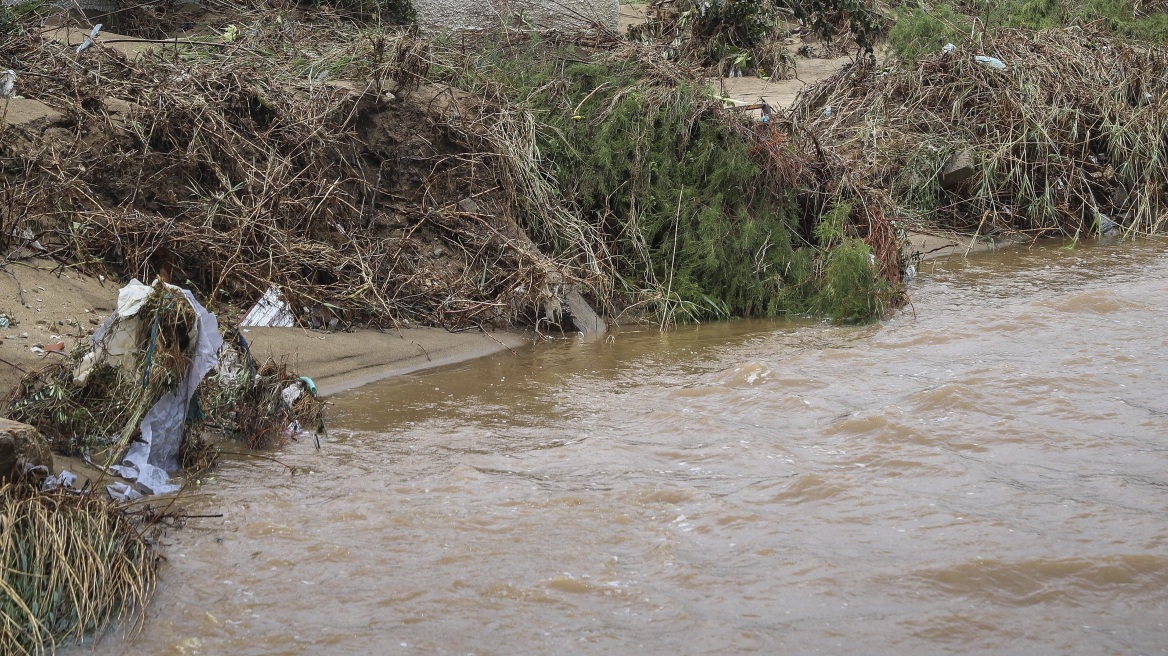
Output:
x,y
89,38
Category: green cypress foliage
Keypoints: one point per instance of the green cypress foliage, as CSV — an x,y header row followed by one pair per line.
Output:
x,y
675,186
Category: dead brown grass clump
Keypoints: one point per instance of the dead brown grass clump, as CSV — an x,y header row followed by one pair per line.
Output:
x,y
72,564
236,165
1066,138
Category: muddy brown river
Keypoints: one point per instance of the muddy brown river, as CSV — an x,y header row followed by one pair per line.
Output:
x,y
988,475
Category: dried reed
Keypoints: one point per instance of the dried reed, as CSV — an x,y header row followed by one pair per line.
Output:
x,y
72,565
1070,134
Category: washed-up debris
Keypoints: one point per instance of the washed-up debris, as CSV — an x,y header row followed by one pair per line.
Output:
x,y
139,390
7,83
992,62
271,311
154,452
89,38
257,403
1038,147
63,479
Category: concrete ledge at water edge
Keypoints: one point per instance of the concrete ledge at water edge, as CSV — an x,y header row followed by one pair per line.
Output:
x,y
22,448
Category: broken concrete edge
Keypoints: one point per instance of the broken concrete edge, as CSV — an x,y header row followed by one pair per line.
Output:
x,y
923,246
584,318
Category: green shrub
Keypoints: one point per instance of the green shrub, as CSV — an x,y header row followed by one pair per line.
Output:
x,y
8,22
673,184
1115,16
920,30
924,27
13,17
864,24
851,290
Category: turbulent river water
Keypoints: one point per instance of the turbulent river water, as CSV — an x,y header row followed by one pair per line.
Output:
x,y
988,474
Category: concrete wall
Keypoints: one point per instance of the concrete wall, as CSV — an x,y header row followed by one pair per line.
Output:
x,y
542,14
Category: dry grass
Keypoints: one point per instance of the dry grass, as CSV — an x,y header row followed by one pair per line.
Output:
x,y
73,565
1073,128
241,165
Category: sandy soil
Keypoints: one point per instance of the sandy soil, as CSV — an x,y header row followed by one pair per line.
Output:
x,y
782,93
631,15
46,304
22,111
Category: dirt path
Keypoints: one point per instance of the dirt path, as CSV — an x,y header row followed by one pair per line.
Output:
x,y
631,15
782,93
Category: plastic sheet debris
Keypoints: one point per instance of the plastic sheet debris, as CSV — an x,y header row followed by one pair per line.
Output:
x,y
121,343
89,38
155,452
122,492
64,478
132,297
7,83
271,311
290,394
948,47
992,62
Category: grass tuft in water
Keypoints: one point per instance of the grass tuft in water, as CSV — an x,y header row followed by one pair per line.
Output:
x,y
73,565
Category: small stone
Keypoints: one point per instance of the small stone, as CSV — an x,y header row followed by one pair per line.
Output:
x,y
469,206
438,251
24,335
959,168
22,447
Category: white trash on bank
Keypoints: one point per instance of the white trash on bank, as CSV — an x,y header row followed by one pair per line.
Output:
x,y
271,311
155,452
992,62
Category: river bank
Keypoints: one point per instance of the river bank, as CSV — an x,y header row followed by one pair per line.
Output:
x,y
414,201
47,304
